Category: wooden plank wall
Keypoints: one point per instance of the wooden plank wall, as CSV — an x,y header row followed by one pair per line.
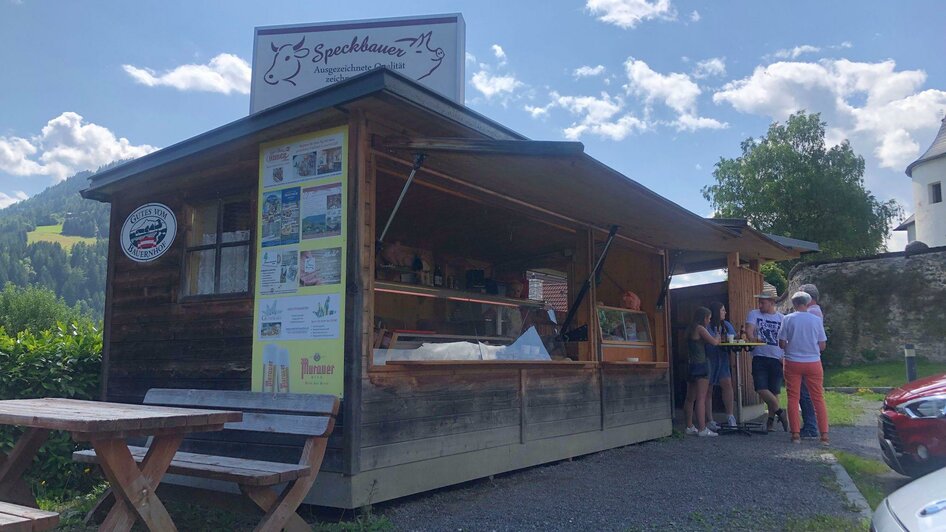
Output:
x,y
426,414
744,284
634,395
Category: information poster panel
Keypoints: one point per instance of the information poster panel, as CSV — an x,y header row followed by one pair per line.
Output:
x,y
299,315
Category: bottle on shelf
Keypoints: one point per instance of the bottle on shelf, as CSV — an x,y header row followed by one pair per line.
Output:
x,y
438,276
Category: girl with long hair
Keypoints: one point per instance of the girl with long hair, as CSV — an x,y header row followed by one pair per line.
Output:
x,y
720,373
697,337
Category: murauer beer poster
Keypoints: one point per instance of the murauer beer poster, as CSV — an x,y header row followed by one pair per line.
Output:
x,y
299,315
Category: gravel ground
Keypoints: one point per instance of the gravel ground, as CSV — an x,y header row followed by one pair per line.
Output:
x,y
726,483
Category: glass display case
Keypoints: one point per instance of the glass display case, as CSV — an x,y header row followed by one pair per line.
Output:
x,y
625,336
422,323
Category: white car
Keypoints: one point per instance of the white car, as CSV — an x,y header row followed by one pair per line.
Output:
x,y
920,505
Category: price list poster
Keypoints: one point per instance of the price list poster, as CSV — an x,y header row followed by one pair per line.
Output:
x,y
298,325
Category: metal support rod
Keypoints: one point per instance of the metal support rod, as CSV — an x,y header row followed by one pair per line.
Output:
x,y
661,299
418,162
587,285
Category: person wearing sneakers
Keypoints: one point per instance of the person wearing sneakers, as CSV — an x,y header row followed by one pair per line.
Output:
x,y
762,326
803,338
698,372
809,421
720,372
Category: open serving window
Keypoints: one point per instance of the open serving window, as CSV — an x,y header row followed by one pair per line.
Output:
x,y
453,281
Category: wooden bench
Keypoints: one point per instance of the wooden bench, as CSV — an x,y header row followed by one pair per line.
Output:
x,y
311,416
15,518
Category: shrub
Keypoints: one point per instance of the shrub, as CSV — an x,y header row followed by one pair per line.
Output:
x,y
62,362
33,308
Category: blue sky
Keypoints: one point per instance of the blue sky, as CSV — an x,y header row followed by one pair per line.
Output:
x,y
658,89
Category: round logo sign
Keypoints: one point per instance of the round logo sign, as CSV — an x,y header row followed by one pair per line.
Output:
x,y
148,232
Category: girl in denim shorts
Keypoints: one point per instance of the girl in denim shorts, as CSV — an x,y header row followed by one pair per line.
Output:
x,y
697,337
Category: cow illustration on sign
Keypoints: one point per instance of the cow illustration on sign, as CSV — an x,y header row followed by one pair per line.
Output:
x,y
286,64
421,43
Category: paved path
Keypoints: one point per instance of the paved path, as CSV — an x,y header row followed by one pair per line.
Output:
x,y
725,483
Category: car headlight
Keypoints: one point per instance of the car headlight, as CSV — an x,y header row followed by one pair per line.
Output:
x,y
927,407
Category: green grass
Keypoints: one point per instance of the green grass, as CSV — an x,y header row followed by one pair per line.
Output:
x,y
53,233
825,523
872,477
844,409
880,374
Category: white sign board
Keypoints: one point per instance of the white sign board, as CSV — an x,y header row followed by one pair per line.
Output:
x,y
289,61
148,232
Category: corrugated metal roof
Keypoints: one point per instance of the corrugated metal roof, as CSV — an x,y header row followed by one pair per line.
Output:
x,y
936,150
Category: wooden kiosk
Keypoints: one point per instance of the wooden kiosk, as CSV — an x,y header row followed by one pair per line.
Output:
x,y
447,370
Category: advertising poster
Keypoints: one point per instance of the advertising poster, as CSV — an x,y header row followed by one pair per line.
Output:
x,y
298,338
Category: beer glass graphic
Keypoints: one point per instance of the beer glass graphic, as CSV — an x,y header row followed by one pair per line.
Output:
x,y
282,381
270,360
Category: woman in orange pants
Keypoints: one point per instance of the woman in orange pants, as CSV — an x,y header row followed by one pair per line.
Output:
x,y
803,338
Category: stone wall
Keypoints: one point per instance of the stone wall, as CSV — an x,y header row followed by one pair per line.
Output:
x,y
875,305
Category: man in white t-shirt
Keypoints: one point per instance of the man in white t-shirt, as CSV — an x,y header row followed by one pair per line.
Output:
x,y
762,325
803,338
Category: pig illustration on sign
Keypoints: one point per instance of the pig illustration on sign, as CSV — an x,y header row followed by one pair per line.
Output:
x,y
421,45
286,64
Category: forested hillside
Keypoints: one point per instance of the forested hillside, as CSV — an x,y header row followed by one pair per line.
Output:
x,y
78,276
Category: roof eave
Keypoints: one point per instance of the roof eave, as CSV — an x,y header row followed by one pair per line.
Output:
x,y
355,88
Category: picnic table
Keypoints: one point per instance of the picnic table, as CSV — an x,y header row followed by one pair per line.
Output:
x,y
106,426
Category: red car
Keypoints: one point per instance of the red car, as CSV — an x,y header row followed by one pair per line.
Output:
x,y
912,427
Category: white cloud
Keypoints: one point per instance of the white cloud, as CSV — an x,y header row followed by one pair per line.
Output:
x,y
600,116
537,111
675,90
714,66
492,85
470,58
695,16
698,166
630,13
869,103
795,52
66,145
224,73
846,44
499,53
6,200
585,71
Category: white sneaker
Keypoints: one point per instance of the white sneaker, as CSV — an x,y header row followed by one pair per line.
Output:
x,y
712,425
732,421
691,431
706,432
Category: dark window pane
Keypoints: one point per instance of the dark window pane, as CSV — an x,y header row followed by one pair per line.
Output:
x,y
203,225
237,220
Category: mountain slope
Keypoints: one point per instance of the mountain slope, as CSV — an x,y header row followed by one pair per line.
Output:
x,y
76,275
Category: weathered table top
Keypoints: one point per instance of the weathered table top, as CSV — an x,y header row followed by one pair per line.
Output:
x,y
95,417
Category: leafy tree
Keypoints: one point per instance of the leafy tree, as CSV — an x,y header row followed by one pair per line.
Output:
x,y
775,276
34,309
789,183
